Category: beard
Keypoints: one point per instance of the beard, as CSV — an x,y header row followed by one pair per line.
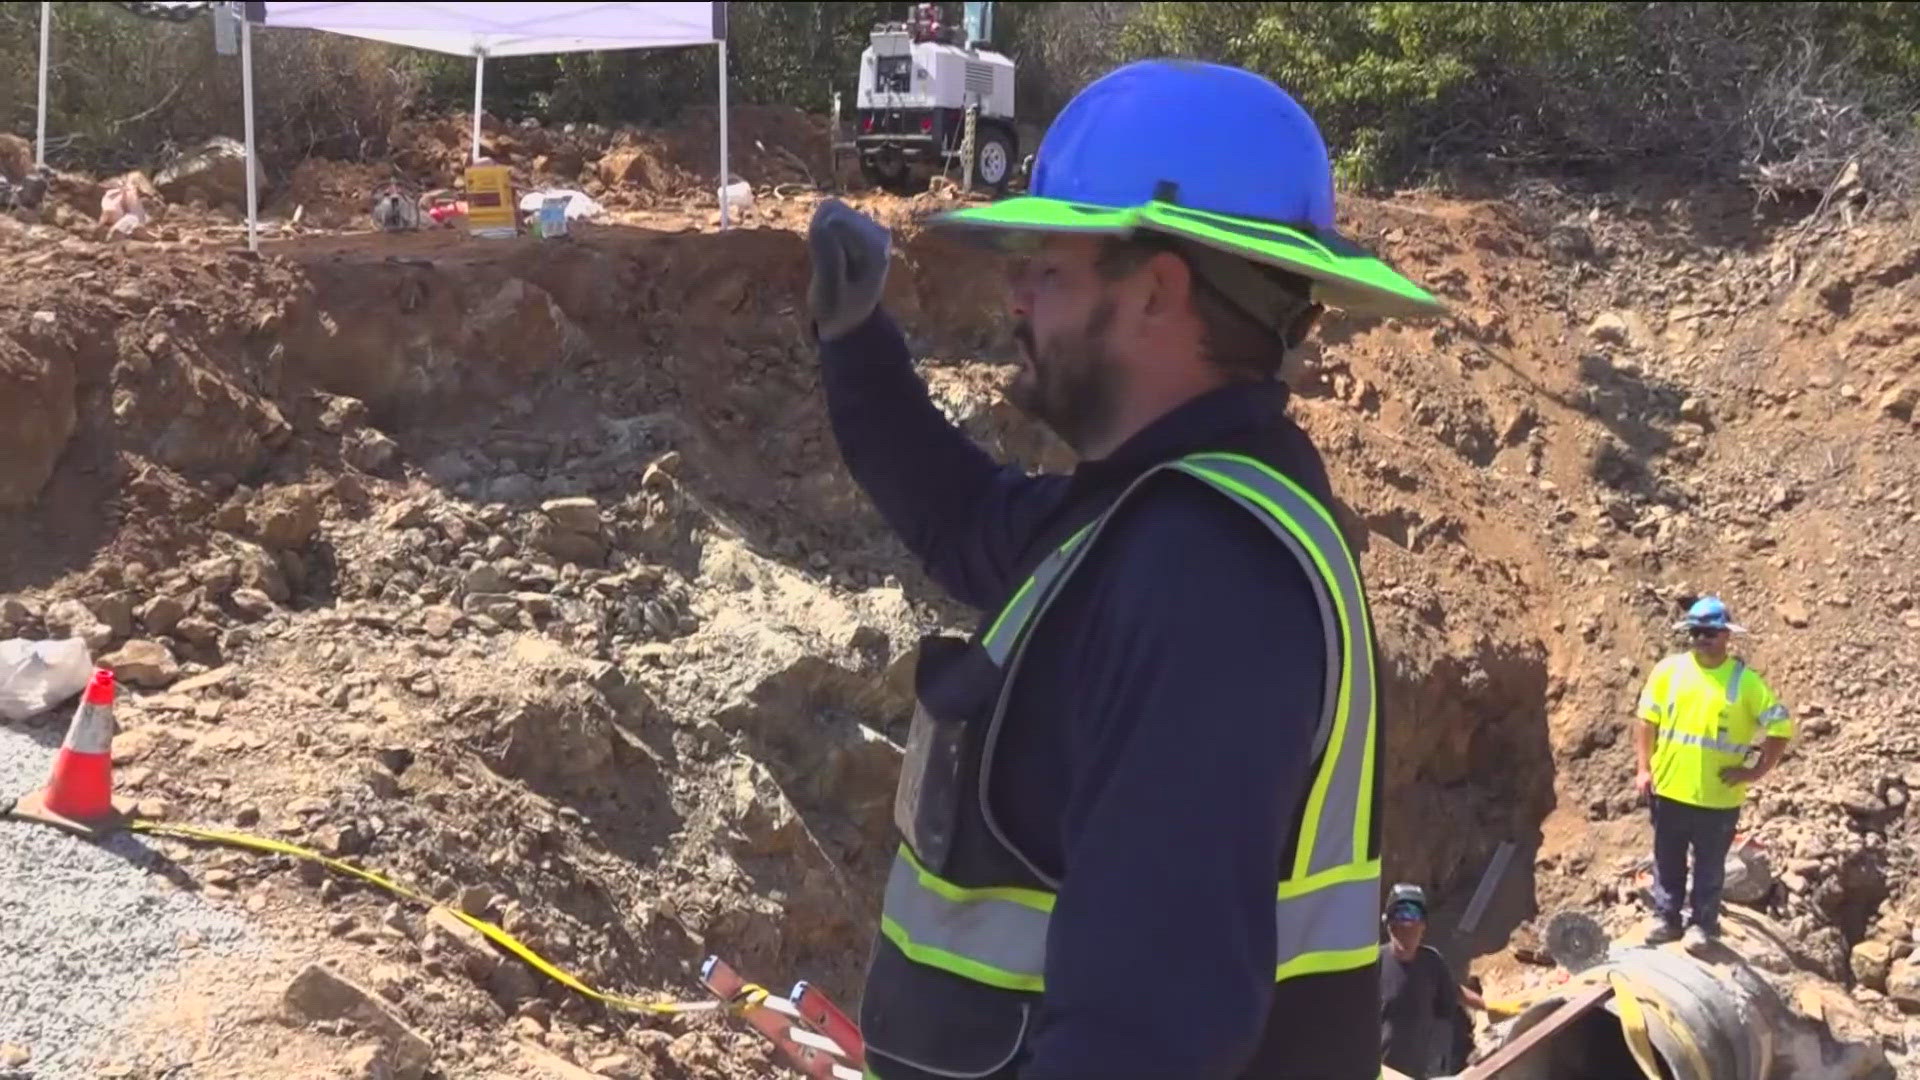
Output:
x,y
1070,382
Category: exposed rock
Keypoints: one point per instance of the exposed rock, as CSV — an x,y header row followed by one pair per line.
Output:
x,y
1611,328
252,603
318,993
1871,961
1792,612
286,519
114,610
439,620
14,614
39,392
761,811
580,515
1749,878
197,630
340,414
485,579
146,664
1899,402
257,568
469,946
1903,984
475,899
217,574
566,545
629,166
161,614
371,451
545,1065
71,618
617,1067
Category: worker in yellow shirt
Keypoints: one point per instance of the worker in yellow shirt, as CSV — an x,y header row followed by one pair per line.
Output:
x,y
1702,712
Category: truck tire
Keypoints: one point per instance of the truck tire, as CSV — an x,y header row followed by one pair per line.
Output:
x,y
993,161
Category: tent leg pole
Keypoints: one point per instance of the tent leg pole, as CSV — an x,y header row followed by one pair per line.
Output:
x,y
246,94
725,176
40,123
479,75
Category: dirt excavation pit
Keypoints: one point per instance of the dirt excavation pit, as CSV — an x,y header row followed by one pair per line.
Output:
x,y
527,572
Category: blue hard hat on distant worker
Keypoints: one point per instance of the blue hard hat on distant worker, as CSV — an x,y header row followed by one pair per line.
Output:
x,y
1709,613
1207,153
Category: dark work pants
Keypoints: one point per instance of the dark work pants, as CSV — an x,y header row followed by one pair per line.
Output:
x,y
1677,827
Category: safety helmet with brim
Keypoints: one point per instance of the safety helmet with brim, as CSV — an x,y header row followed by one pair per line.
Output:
x,y
1709,613
1207,154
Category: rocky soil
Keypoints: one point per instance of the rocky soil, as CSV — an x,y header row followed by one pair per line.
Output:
x,y
527,573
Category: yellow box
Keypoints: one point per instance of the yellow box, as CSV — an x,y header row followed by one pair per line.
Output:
x,y
490,208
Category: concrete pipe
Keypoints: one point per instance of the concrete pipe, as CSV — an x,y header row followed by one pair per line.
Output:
x,y
1670,1017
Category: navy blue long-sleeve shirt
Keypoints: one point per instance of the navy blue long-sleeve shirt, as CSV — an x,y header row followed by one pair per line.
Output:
x,y
1154,755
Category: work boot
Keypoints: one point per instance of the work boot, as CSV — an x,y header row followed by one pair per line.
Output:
x,y
1668,930
1699,934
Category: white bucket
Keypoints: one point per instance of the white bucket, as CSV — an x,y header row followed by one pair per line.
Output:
x,y
737,196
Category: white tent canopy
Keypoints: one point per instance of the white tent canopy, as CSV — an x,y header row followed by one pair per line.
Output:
x,y
478,30
502,29
481,30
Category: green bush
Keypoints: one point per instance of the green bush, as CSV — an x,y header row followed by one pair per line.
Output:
x,y
125,91
1777,94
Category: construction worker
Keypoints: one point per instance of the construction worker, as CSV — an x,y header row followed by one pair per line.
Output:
x,y
1701,711
1420,1003
1138,805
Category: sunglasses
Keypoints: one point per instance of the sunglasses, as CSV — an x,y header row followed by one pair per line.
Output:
x,y
1705,633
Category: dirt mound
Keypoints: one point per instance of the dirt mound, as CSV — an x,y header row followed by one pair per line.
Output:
x,y
624,168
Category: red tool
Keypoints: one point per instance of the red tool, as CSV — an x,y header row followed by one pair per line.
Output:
x,y
815,1053
825,1017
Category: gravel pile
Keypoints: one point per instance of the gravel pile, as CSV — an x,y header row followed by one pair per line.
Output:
x,y
86,931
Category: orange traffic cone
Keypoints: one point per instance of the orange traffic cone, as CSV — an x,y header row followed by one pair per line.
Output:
x,y
79,793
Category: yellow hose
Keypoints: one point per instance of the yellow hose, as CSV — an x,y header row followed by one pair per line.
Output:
x,y
750,995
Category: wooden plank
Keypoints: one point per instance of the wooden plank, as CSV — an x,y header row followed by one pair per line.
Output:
x,y
1569,1011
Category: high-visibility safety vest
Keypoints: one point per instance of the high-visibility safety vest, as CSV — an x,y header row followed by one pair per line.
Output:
x,y
959,962
1706,720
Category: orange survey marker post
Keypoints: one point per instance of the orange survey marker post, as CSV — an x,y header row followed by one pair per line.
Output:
x,y
79,792
490,208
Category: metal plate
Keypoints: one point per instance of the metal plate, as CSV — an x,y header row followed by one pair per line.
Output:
x,y
1575,941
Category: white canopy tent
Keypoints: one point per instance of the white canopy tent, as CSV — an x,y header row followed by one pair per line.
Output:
x,y
481,30
478,30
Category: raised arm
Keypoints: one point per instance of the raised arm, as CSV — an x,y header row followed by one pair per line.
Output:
x,y
966,518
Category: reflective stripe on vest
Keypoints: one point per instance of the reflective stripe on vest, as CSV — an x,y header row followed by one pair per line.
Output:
x,y
1733,688
1325,907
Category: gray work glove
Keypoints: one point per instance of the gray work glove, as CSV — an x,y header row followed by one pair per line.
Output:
x,y
849,251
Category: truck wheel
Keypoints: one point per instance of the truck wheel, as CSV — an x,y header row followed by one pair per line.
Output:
x,y
992,159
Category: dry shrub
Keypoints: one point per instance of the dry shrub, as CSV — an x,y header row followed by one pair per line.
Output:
x,y
128,92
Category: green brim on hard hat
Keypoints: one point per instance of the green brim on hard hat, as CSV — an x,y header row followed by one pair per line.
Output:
x,y
1343,275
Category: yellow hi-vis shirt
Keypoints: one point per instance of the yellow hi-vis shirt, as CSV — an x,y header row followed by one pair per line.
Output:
x,y
1708,719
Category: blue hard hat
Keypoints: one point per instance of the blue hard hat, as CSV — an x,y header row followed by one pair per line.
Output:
x,y
1211,154
1709,613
